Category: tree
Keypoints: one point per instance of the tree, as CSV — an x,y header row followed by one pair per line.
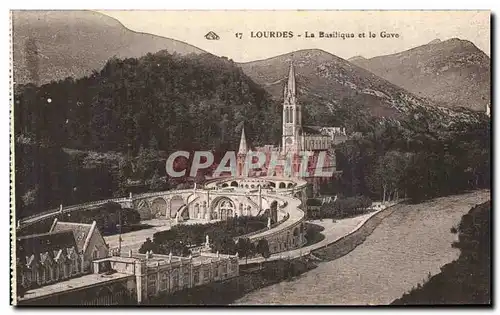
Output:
x,y
156,182
242,247
263,248
149,245
130,216
223,243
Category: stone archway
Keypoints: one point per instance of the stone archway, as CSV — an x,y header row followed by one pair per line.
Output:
x,y
144,209
223,208
234,184
282,185
159,208
290,185
176,203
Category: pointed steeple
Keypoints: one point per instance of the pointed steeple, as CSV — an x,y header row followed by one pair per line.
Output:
x,y
291,81
243,143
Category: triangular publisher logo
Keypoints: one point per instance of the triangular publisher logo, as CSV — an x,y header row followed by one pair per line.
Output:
x,y
212,36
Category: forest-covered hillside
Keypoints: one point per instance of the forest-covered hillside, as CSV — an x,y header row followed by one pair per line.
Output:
x,y
197,101
132,108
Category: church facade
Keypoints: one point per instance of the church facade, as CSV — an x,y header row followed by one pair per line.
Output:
x,y
297,140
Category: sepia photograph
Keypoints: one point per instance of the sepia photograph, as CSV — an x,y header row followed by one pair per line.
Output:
x,y
249,158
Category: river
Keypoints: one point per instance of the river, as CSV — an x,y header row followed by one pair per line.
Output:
x,y
408,245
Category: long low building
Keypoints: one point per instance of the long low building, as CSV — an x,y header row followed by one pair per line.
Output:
x,y
135,279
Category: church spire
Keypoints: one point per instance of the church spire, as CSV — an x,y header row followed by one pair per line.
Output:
x,y
290,87
243,143
291,80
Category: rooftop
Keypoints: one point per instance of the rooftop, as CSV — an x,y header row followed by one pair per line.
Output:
x,y
73,285
40,243
80,231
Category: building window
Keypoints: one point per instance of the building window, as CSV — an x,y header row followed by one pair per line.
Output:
x,y
152,284
185,279
49,274
206,274
164,281
75,266
196,276
175,279
38,278
44,275
216,271
28,276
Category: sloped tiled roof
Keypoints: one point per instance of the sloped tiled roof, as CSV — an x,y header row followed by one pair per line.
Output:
x,y
80,231
37,244
311,130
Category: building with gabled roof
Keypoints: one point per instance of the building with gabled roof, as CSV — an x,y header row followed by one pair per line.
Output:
x,y
89,240
48,258
64,252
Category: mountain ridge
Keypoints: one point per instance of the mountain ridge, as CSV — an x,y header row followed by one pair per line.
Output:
x,y
318,71
452,73
52,45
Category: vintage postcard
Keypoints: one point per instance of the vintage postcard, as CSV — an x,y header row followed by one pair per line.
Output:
x,y
250,158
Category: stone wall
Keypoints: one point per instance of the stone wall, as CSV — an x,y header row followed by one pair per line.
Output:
x,y
349,242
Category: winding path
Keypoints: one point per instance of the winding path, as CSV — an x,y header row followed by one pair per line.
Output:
x,y
412,242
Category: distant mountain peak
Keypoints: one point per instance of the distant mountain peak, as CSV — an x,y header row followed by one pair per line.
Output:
x,y
326,83
453,72
356,58
53,45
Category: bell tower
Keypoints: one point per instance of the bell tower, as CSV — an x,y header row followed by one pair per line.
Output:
x,y
242,153
292,116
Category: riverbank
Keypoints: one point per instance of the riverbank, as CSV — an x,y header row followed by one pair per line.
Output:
x,y
343,234
407,245
466,280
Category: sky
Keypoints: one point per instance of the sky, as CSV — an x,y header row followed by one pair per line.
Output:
x,y
414,28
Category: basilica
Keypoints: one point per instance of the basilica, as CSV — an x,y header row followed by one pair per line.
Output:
x,y
297,140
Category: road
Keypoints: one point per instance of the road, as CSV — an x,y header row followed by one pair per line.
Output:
x,y
332,232
412,242
133,240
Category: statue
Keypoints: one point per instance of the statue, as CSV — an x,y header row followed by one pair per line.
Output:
x,y
207,241
268,222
